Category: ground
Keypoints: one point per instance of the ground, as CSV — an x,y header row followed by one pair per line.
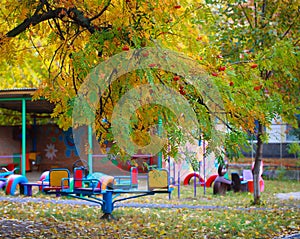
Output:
x,y
13,227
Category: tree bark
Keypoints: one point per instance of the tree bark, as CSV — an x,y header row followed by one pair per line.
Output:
x,y
257,164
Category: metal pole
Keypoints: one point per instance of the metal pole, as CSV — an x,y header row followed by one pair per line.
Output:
x,y
90,153
204,177
23,137
159,163
169,168
34,139
169,165
252,156
195,182
178,185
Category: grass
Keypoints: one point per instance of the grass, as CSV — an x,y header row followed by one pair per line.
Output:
x,y
240,219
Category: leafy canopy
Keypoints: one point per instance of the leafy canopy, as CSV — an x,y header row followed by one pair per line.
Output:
x,y
251,51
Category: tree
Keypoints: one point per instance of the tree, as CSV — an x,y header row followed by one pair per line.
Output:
x,y
70,38
260,44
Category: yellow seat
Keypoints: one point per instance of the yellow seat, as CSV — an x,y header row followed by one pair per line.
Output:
x,y
58,179
158,179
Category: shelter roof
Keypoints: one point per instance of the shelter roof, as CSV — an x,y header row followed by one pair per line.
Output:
x,y
11,99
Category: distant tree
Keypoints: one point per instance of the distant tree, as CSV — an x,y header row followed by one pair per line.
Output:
x,y
259,43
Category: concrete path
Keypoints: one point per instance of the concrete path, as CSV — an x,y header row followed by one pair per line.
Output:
x,y
135,205
289,196
118,204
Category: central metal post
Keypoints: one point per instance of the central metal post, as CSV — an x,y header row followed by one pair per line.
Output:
x,y
23,137
90,153
159,163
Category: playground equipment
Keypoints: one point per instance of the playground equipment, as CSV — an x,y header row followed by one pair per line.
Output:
x,y
87,188
13,182
242,183
4,175
248,177
107,181
19,181
109,164
194,177
182,172
221,184
10,162
239,185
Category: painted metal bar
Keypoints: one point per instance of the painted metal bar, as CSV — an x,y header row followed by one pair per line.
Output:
x,y
134,155
142,155
136,196
14,99
90,153
10,156
169,168
195,184
159,159
99,155
93,200
34,139
23,137
178,192
204,166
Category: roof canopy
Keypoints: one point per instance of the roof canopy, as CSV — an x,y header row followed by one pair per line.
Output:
x,y
11,99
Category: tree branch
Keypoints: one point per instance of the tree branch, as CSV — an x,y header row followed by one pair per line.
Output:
x,y
289,29
247,17
255,15
74,80
59,13
60,33
53,57
34,20
263,10
101,12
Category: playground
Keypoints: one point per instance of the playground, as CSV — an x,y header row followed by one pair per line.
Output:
x,y
140,204
229,216
158,202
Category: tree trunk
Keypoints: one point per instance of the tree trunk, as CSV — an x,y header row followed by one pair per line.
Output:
x,y
257,163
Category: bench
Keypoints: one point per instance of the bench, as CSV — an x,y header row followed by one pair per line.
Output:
x,y
27,187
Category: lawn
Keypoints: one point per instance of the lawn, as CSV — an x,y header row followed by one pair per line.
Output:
x,y
235,217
